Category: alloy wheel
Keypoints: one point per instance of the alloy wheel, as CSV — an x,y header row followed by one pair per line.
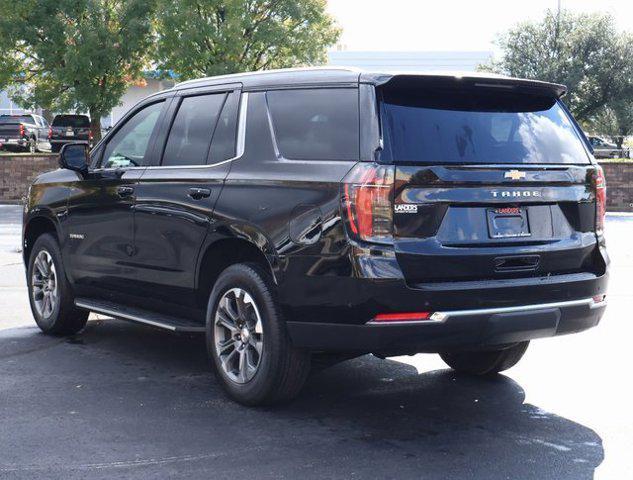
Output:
x,y
44,285
238,335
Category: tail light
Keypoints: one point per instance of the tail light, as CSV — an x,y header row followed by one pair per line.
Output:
x,y
21,130
600,185
367,202
50,133
90,136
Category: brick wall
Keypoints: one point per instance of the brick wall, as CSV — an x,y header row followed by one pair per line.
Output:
x,y
18,171
619,177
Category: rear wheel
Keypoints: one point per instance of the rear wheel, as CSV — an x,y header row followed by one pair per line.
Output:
x,y
32,146
486,362
50,295
247,341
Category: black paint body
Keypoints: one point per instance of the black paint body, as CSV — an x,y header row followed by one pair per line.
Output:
x,y
146,249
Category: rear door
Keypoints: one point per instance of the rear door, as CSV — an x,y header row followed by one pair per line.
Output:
x,y
490,183
175,200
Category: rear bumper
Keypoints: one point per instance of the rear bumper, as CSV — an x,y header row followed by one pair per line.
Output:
x,y
456,329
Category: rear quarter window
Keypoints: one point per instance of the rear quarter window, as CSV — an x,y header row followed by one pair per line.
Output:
x,y
316,124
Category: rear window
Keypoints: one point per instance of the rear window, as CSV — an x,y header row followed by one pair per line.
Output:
x,y
75,121
16,119
476,126
318,124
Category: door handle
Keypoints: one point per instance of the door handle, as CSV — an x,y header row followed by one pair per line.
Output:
x,y
198,193
125,191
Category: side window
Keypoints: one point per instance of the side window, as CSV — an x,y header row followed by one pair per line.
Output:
x,y
190,135
223,144
318,124
128,146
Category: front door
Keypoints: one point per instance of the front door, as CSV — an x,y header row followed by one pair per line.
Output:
x,y
100,244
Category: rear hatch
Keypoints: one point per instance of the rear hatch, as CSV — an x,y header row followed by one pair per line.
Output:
x,y
491,181
70,127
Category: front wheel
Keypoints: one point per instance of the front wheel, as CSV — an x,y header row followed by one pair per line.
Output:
x,y
247,341
485,362
50,295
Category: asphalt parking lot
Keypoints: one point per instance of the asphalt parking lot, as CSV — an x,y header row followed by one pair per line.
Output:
x,y
121,400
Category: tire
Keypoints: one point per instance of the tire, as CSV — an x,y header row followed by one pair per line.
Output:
x,y
487,362
61,317
55,148
275,375
32,146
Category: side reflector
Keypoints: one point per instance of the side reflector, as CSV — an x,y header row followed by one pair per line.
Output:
x,y
402,317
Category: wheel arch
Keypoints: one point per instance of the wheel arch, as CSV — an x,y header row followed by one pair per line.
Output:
x,y
35,227
222,253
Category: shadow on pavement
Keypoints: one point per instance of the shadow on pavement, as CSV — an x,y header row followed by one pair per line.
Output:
x,y
121,399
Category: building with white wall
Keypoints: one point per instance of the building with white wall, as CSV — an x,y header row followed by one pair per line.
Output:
x,y
465,61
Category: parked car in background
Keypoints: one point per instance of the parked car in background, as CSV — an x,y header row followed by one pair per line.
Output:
x,y
315,215
604,149
24,132
69,128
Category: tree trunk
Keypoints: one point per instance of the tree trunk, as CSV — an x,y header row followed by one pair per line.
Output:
x,y
619,140
95,126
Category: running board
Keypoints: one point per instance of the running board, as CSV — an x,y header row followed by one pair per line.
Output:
x,y
166,322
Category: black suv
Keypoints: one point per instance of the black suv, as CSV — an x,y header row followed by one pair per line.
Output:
x,y
308,216
69,128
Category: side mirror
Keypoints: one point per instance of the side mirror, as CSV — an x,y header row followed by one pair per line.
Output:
x,y
74,156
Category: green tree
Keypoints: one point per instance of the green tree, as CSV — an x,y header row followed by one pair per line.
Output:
x,y
583,51
212,37
73,54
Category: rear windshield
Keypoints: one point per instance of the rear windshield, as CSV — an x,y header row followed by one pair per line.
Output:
x,y
77,121
16,119
476,126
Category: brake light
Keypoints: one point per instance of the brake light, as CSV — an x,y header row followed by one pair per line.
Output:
x,y
21,130
600,186
367,202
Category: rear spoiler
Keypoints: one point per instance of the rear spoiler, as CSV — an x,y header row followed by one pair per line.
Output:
x,y
408,80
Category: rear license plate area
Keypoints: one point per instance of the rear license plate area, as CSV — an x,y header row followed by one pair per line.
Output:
x,y
508,222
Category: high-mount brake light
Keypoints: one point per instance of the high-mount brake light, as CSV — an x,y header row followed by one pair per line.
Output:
x,y
600,186
368,202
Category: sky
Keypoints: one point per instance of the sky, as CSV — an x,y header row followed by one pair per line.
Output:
x,y
424,25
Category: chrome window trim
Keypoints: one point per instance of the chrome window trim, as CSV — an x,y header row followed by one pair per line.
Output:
x,y
239,149
240,145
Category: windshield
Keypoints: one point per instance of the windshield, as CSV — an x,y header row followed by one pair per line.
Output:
x,y
16,119
77,121
476,126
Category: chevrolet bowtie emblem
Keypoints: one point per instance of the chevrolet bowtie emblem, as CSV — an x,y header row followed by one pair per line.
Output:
x,y
514,175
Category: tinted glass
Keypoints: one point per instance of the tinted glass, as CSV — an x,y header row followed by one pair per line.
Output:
x,y
191,132
76,121
457,126
128,146
16,119
316,124
223,144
